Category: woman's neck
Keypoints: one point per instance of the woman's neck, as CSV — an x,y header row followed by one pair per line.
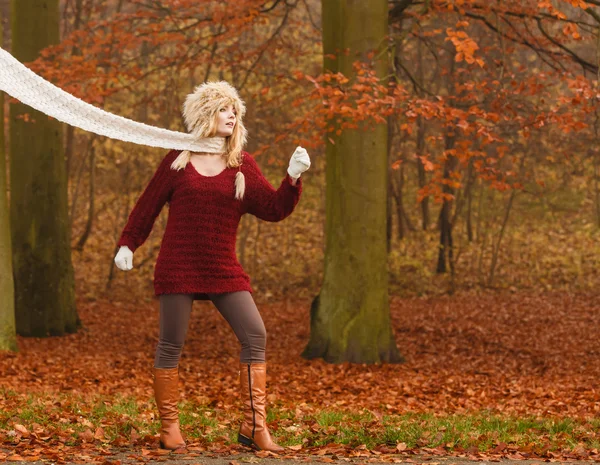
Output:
x,y
208,154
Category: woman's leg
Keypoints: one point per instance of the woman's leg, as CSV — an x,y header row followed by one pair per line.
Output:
x,y
240,311
175,312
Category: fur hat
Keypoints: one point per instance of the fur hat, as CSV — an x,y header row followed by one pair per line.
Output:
x,y
199,111
201,105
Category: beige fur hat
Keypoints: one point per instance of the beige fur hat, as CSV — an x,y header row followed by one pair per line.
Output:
x,y
205,101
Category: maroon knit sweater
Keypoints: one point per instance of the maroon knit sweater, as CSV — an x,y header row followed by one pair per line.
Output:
x,y
197,254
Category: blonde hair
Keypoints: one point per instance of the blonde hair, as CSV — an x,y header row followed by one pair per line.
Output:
x,y
200,114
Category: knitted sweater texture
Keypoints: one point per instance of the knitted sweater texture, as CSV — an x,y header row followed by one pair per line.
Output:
x,y
197,254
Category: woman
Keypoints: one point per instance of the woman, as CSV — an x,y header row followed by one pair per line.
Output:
x,y
207,195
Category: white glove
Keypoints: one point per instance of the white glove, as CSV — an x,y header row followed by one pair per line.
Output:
x,y
299,162
124,258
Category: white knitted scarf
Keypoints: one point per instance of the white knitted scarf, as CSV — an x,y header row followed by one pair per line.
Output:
x,y
23,84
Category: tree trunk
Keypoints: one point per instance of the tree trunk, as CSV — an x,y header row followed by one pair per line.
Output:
x,y
75,51
350,318
421,171
43,272
390,190
8,340
421,132
445,258
91,208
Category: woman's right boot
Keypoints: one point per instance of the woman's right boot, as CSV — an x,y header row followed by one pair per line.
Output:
x,y
253,430
166,393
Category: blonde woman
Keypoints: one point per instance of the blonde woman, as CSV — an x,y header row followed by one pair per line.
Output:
x,y
207,195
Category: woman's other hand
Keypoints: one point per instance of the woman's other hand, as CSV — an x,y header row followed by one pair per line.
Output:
x,y
299,162
124,258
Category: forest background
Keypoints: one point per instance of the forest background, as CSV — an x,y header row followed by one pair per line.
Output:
x,y
493,218
518,81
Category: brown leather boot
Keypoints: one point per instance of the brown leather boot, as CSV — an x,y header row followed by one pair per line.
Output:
x,y
166,393
253,430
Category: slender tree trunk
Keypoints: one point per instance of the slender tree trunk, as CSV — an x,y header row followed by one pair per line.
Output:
x,y
479,210
77,181
8,339
421,172
421,132
496,247
469,218
70,138
445,258
399,203
397,189
44,282
92,186
596,158
350,318
468,196
390,190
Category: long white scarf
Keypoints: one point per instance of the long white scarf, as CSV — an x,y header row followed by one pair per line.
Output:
x,y
23,84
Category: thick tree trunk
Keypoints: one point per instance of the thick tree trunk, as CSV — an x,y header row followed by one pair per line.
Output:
x,y
44,283
8,340
350,319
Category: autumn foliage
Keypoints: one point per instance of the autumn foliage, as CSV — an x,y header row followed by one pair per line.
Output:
x,y
511,356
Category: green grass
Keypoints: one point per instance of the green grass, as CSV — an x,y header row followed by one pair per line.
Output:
x,y
69,415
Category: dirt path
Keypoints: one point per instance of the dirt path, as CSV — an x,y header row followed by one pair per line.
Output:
x,y
155,457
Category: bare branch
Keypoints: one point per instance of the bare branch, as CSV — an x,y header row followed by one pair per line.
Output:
x,y
584,64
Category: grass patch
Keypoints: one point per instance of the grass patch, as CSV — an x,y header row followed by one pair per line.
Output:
x,y
70,416
483,431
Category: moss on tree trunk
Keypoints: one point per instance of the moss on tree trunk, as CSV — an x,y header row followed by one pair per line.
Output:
x,y
43,272
350,319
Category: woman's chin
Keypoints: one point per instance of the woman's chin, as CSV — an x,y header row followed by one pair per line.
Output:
x,y
225,133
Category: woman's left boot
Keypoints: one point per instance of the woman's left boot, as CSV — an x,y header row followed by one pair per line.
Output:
x,y
253,430
166,393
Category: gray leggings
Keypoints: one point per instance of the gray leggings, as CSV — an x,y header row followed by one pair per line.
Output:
x,y
238,308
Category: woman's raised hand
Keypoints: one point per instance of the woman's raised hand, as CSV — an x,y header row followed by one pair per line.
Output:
x,y
299,162
124,258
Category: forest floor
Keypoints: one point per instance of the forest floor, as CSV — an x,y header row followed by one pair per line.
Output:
x,y
487,377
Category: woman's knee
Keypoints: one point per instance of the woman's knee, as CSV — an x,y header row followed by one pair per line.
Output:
x,y
258,338
167,354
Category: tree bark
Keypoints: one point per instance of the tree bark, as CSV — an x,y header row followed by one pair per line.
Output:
x,y
92,201
75,51
390,190
43,272
8,339
350,318
421,133
421,172
445,257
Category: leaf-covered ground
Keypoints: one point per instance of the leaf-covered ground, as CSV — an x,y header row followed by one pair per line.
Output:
x,y
513,375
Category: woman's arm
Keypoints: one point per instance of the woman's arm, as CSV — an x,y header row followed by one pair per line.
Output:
x,y
149,205
262,200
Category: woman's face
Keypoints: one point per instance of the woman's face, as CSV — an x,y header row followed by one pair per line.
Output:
x,y
226,121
